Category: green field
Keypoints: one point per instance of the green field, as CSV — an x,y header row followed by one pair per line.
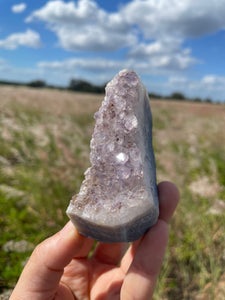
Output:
x,y
44,151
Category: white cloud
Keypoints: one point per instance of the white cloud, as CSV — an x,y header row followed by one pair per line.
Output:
x,y
19,8
85,26
29,38
187,18
153,31
92,38
60,72
90,65
96,70
209,86
164,53
212,81
57,11
107,67
159,47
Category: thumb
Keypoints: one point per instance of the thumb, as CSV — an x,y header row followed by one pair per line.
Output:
x,y
45,267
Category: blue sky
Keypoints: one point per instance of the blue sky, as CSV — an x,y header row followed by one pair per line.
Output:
x,y
173,45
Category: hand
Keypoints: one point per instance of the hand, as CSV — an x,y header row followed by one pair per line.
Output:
x,y
59,268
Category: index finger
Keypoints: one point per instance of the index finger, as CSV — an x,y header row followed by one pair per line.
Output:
x,y
46,264
168,200
148,255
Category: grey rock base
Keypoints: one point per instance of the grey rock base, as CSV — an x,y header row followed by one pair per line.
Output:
x,y
103,233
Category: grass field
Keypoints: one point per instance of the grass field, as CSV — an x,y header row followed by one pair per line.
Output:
x,y
44,151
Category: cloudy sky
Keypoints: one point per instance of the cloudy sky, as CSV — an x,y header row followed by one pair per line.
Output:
x,y
174,45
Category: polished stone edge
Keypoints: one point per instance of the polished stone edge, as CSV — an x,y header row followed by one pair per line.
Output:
x,y
127,233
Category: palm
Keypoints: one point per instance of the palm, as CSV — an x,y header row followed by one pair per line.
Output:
x,y
92,278
110,273
98,277
106,276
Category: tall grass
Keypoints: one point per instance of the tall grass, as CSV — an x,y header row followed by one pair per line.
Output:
x,y
44,151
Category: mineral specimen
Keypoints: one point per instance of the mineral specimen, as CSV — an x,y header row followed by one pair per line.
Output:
x,y
118,200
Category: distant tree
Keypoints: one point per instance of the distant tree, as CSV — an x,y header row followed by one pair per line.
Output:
x,y
5,82
85,86
154,96
197,99
37,83
208,100
177,96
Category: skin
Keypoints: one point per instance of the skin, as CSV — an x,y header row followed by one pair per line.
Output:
x,y
59,268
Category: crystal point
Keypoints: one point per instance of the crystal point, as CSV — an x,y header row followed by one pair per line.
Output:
x,y
118,199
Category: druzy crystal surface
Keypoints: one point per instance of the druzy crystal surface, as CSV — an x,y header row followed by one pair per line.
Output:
x,y
118,200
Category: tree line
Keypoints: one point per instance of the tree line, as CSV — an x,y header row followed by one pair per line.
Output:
x,y
79,85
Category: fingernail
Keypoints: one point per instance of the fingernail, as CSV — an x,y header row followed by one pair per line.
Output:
x,y
68,230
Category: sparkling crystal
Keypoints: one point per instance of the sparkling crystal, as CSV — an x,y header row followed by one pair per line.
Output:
x,y
131,122
122,158
118,199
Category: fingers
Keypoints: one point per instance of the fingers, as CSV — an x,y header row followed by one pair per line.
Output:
x,y
168,200
109,253
112,253
45,266
84,251
129,256
143,272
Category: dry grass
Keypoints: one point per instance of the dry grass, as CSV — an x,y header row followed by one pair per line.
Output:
x,y
55,102
44,150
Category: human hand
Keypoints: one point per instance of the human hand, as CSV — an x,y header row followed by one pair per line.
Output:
x,y
59,267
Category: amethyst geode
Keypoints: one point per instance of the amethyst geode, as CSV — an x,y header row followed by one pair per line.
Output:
x,y
118,200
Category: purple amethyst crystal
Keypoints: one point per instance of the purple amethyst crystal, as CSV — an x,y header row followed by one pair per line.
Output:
x,y
118,200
